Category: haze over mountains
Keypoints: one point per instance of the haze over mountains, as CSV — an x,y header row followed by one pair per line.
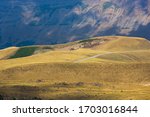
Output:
x,y
28,22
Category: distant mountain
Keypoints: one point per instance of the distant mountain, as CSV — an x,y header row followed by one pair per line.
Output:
x,y
30,22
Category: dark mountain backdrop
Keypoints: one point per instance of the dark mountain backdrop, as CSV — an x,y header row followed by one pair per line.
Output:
x,y
27,22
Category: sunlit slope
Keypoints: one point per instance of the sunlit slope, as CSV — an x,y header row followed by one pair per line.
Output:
x,y
98,68
76,72
110,43
124,56
125,44
29,51
48,57
78,56
6,53
76,81
98,50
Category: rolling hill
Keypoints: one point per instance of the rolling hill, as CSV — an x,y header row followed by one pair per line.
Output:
x,y
126,44
110,67
6,53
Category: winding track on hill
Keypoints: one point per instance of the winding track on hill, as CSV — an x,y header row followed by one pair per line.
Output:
x,y
98,55
88,58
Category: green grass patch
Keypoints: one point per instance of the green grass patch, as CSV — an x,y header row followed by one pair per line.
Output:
x,y
89,40
24,52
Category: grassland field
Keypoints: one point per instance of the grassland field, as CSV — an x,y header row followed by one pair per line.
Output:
x,y
100,68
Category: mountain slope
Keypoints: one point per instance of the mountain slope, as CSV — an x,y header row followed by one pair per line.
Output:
x,y
38,22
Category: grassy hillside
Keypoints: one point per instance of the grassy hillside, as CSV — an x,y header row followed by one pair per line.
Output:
x,y
98,68
125,44
6,53
132,56
110,43
24,51
76,81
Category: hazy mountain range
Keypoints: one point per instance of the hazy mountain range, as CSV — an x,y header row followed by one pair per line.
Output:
x,y
27,22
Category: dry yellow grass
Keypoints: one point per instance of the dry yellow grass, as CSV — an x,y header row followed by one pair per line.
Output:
x,y
7,52
79,81
125,44
120,70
